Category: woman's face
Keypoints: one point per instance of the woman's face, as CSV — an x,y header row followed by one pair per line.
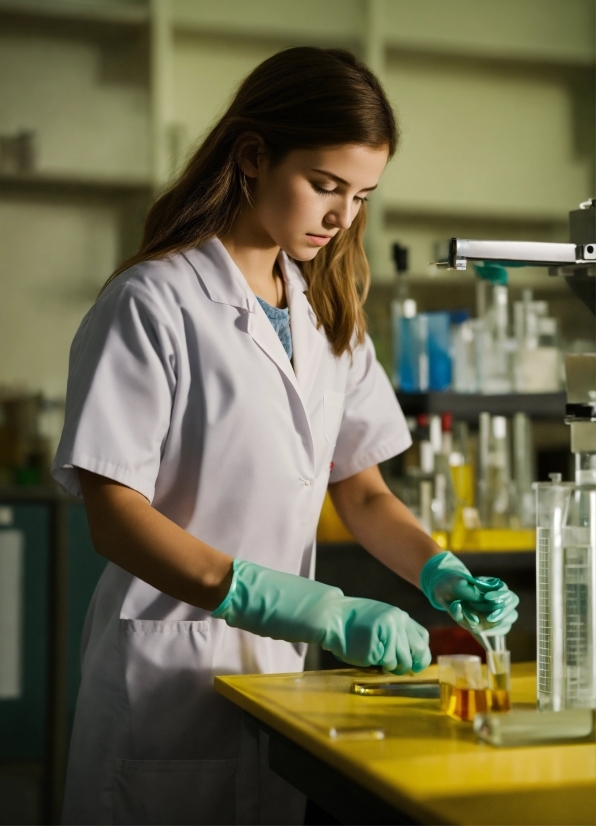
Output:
x,y
312,194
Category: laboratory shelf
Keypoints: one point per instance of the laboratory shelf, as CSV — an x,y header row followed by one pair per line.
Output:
x,y
73,186
97,12
468,406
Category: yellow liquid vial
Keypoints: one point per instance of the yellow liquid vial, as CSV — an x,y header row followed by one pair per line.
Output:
x,y
499,688
463,703
500,700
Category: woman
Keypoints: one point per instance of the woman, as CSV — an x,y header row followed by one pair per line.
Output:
x,y
220,383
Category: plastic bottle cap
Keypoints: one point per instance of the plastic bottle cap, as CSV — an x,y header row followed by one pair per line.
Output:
x,y
409,308
447,422
499,427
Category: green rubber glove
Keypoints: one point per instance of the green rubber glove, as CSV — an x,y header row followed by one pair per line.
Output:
x,y
477,603
358,631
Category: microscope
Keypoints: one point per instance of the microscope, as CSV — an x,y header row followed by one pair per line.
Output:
x,y
566,511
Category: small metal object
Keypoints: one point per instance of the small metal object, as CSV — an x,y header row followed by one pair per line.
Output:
x,y
356,733
420,689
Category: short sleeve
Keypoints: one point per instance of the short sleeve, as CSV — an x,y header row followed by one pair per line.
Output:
x,y
373,427
119,396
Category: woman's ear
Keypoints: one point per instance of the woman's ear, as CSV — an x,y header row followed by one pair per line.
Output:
x,y
250,154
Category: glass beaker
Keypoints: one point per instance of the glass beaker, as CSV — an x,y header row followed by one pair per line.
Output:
x,y
566,595
463,689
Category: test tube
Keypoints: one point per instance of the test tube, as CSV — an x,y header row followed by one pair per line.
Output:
x,y
463,689
498,665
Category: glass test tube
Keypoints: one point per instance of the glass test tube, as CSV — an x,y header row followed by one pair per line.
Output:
x,y
498,665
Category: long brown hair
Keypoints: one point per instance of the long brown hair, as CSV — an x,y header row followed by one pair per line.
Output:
x,y
300,98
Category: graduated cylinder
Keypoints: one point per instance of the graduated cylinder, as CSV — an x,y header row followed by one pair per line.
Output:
x,y
566,592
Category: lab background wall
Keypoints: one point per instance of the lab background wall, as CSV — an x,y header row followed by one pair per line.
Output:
x,y
496,106
495,100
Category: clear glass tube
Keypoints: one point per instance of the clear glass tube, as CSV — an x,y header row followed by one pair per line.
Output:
x,y
498,665
523,470
566,595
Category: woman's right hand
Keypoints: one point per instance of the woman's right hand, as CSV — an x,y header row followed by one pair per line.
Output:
x,y
366,632
361,632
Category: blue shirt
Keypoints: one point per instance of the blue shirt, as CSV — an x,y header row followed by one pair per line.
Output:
x,y
280,319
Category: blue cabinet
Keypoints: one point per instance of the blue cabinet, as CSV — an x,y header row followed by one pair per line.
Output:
x,y
23,721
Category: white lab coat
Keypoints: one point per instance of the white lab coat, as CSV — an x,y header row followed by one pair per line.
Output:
x,y
180,389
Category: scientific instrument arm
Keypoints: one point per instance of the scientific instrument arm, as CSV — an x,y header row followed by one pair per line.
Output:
x,y
575,261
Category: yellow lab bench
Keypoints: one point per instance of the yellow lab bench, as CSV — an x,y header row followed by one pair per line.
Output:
x,y
427,769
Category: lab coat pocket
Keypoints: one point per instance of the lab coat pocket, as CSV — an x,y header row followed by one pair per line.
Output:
x,y
169,686
334,409
173,791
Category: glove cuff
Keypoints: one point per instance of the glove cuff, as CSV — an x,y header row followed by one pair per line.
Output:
x,y
224,606
431,574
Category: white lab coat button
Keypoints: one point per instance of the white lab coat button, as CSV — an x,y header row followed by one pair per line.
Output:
x,y
305,482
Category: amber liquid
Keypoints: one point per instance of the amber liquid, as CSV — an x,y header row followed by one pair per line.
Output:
x,y
463,703
500,696
500,700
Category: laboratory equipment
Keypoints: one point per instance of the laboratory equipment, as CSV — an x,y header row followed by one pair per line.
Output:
x,y
498,503
524,728
413,349
566,557
484,431
498,666
566,585
418,689
538,355
495,350
398,305
356,733
444,494
464,335
463,687
566,512
439,351
523,470
575,261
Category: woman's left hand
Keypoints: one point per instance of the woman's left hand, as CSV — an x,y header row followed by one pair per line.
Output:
x,y
477,603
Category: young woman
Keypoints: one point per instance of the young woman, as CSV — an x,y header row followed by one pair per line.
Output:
x,y
220,384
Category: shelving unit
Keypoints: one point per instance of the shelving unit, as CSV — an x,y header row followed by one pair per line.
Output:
x,y
123,16
66,186
468,406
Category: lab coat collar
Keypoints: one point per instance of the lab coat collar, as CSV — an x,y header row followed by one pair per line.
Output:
x,y
224,283
219,275
309,341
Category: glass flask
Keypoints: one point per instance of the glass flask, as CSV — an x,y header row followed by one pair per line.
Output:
x,y
566,595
